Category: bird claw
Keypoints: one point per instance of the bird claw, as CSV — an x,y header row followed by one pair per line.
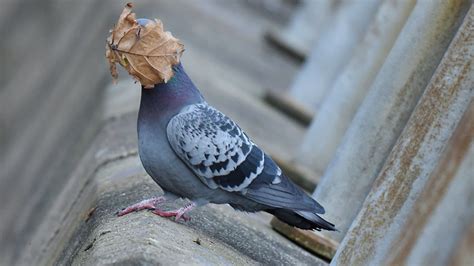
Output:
x,y
175,214
178,214
148,204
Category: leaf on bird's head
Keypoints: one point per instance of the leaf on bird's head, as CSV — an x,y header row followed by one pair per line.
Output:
x,y
144,49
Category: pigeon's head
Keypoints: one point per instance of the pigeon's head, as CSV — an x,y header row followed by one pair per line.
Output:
x,y
143,48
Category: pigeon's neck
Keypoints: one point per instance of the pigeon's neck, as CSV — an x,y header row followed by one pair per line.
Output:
x,y
167,99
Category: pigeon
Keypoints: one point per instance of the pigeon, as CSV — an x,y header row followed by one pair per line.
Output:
x,y
194,151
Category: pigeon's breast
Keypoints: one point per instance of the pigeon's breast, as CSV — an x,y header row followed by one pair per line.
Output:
x,y
165,167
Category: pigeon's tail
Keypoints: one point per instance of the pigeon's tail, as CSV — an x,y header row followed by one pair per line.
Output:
x,y
303,219
288,202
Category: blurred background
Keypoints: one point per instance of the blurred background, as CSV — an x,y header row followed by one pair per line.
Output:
x,y
366,104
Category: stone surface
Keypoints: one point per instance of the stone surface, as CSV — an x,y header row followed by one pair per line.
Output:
x,y
436,235
215,235
386,109
463,251
409,209
50,104
348,91
73,205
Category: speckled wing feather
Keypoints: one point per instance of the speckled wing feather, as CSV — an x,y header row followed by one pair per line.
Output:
x,y
222,156
215,148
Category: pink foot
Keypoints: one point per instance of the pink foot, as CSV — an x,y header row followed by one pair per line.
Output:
x,y
178,214
148,204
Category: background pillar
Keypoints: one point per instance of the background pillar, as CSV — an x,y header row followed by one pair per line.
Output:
x,y
404,204
386,109
342,101
332,51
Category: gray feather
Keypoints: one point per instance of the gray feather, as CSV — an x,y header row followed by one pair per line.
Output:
x,y
213,146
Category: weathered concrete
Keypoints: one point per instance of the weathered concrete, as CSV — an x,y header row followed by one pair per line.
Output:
x,y
443,225
215,235
345,96
411,201
421,227
73,205
386,109
463,250
302,31
332,51
50,105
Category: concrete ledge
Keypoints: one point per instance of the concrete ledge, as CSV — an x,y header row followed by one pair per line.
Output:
x,y
215,235
72,206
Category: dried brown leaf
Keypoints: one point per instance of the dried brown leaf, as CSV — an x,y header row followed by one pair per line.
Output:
x,y
147,52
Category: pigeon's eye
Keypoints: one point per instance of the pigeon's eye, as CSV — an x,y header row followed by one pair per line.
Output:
x,y
143,21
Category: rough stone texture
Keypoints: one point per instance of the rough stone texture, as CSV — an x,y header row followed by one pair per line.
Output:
x,y
387,108
436,235
395,214
50,104
72,207
332,51
340,105
463,255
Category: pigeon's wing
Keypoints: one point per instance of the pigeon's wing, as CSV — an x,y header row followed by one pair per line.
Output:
x,y
214,147
222,156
